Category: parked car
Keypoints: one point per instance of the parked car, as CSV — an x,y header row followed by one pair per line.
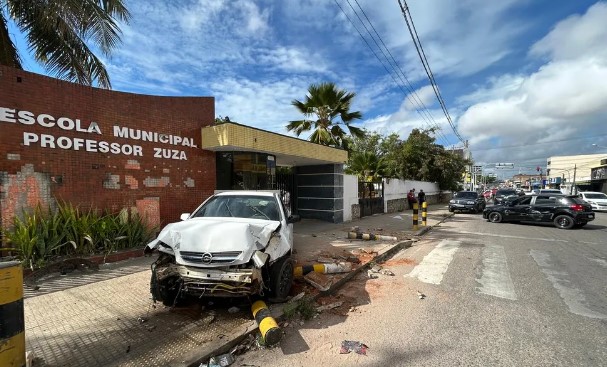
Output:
x,y
564,211
236,243
598,200
547,191
467,201
502,194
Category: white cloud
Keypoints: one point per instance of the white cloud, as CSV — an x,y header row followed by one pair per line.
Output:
x,y
562,100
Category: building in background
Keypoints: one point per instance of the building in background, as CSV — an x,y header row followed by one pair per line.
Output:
x,y
574,171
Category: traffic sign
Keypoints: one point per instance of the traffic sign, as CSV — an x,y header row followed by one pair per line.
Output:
x,y
504,165
477,169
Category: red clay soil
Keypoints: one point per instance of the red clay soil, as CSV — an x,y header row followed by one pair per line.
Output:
x,y
396,262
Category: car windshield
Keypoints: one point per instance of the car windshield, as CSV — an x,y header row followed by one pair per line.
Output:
x,y
505,192
466,195
595,196
255,207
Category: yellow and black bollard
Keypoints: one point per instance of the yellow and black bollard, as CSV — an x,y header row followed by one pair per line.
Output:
x,y
424,214
300,271
270,332
415,215
12,320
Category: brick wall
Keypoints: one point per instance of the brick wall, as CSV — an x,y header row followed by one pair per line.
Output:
x,y
161,186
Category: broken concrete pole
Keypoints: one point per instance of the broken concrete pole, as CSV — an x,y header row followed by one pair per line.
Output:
x,y
319,281
270,332
370,236
333,268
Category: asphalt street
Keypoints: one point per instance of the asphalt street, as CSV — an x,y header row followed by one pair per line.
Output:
x,y
493,295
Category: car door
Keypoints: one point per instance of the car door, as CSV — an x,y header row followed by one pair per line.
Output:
x,y
543,208
520,209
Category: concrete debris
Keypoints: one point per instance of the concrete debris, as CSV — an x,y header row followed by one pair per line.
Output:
x,y
297,297
233,309
325,260
387,272
420,295
353,259
349,345
142,320
223,360
376,268
29,358
371,274
319,280
330,306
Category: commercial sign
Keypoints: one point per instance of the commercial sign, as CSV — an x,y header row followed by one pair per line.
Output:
x,y
53,140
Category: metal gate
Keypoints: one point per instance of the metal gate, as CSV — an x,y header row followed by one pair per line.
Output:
x,y
371,198
286,183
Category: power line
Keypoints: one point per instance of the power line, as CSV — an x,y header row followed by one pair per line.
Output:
x,y
382,62
395,66
426,65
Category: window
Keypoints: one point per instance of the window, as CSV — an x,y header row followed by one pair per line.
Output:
x,y
545,200
524,201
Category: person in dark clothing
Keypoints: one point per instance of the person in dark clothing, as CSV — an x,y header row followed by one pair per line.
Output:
x,y
411,198
421,197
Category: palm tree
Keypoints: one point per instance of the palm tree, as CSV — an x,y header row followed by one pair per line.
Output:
x,y
58,33
326,102
366,165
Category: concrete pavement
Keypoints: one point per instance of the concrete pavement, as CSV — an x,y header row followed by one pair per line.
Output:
x,y
107,318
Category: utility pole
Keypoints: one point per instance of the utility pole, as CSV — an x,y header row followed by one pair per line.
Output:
x,y
573,183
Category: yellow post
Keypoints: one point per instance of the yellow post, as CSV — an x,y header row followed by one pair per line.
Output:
x,y
415,215
424,214
12,320
268,327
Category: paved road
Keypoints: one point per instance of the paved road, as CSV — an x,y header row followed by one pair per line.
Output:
x,y
496,295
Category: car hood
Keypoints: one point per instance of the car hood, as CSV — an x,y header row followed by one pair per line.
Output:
x,y
598,201
233,239
462,200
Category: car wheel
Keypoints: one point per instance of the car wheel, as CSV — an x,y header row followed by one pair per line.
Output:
x,y
281,275
495,217
451,210
563,222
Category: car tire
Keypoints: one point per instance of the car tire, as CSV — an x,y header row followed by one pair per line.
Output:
x,y
495,217
563,222
281,278
451,210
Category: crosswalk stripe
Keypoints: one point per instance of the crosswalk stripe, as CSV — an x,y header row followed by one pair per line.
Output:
x,y
495,279
434,265
573,297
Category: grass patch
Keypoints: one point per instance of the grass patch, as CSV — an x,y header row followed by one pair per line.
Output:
x,y
305,308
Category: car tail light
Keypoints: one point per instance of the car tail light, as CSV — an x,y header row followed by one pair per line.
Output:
x,y
577,207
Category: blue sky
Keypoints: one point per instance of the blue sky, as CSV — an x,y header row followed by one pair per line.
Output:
x,y
522,79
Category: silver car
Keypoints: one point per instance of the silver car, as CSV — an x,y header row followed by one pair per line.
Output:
x,y
237,243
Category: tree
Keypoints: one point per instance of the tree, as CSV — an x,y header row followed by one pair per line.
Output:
x,y
59,32
366,165
325,102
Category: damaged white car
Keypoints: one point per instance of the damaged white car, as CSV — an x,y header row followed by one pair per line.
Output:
x,y
237,243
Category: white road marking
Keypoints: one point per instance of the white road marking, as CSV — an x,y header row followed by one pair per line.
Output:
x,y
527,238
573,297
598,260
495,280
435,264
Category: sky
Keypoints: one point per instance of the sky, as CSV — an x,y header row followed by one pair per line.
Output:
x,y
522,80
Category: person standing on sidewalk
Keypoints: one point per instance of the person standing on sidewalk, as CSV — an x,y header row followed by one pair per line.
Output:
x,y
421,197
411,198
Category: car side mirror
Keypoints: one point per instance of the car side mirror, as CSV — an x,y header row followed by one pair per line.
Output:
x,y
294,218
184,216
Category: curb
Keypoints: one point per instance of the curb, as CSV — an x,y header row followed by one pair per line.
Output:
x,y
238,336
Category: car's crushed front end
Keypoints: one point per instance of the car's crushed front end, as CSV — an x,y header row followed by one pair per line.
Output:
x,y
215,257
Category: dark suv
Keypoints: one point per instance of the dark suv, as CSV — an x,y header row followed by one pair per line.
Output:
x,y
502,194
564,211
467,201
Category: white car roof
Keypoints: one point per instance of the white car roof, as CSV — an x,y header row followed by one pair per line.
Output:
x,y
267,193
591,192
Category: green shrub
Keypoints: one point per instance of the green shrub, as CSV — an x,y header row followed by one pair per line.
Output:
x,y
45,234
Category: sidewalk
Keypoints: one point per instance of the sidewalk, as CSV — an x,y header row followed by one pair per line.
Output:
x,y
111,321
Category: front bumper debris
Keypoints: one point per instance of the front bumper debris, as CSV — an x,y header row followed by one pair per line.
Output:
x,y
214,282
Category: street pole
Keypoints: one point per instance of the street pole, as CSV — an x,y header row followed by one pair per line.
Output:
x,y
573,183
